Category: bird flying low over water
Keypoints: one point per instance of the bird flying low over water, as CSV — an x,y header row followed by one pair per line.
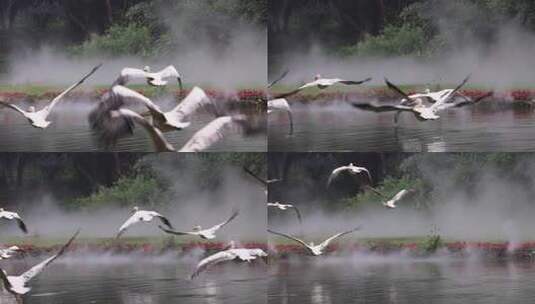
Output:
x,y
153,78
38,119
208,233
311,248
351,169
281,105
8,215
424,106
139,216
18,285
240,254
322,83
285,207
217,130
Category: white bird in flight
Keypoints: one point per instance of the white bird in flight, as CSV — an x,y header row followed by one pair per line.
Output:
x,y
241,254
281,104
420,105
7,253
351,169
285,207
18,285
311,248
215,131
322,83
391,203
139,216
38,119
207,234
153,78
8,215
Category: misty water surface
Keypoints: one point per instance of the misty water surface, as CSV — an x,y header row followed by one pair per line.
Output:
x,y
69,132
343,128
140,280
400,280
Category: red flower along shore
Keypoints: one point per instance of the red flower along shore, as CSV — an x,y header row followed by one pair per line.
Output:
x,y
240,95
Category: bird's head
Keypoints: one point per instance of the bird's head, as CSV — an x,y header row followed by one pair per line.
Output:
x,y
317,76
427,91
2,210
146,68
135,209
31,109
231,245
197,228
311,244
259,252
351,165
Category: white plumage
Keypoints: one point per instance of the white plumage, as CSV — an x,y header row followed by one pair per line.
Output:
x,y
139,216
311,248
153,78
351,169
241,254
38,119
8,215
208,233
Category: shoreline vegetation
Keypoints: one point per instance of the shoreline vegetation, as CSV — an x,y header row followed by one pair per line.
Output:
x,y
411,247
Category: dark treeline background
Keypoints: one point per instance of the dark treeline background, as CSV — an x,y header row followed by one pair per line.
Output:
x,y
123,27
375,28
90,180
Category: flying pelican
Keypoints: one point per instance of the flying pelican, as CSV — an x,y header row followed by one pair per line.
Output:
x,y
18,285
351,169
7,253
156,79
285,207
263,182
208,233
241,254
178,117
312,249
322,83
8,215
142,216
215,131
130,117
38,119
282,105
418,105
278,79
391,203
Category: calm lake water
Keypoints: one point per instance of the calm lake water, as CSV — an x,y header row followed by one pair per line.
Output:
x,y
141,280
344,128
398,280
69,132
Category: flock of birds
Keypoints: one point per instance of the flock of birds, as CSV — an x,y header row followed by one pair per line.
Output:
x,y
351,170
19,285
112,119
425,105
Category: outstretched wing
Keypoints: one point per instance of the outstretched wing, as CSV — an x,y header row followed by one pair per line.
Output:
x,y
288,237
451,94
169,72
278,79
374,107
196,100
233,216
72,87
158,139
165,221
214,259
327,241
212,133
351,82
334,175
129,222
12,106
130,96
174,231
37,269
396,89
256,177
